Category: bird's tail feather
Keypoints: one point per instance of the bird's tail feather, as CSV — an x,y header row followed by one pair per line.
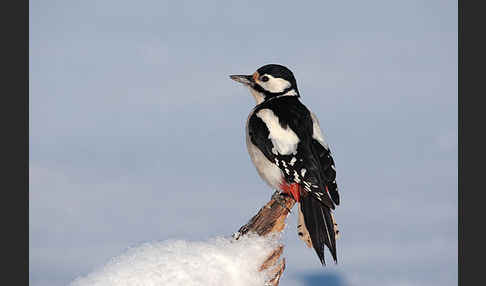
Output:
x,y
320,225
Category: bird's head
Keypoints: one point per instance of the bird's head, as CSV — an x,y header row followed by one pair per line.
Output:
x,y
268,82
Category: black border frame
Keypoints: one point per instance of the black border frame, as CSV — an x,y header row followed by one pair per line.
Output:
x,y
15,140
471,144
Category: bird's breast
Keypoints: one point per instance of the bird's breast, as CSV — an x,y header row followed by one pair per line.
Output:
x,y
267,170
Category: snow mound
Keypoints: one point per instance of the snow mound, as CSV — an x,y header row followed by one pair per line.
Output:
x,y
219,261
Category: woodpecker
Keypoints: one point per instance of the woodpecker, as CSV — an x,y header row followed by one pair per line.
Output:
x,y
286,145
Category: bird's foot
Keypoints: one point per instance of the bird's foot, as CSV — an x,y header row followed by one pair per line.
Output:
x,y
277,196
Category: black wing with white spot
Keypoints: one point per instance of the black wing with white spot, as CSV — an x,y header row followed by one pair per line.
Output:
x,y
282,129
328,170
323,152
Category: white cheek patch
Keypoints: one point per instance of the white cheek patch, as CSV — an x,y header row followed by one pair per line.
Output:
x,y
274,85
284,140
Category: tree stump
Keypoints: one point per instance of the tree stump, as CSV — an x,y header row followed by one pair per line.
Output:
x,y
270,220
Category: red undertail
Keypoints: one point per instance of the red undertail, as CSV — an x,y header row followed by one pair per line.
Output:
x,y
291,189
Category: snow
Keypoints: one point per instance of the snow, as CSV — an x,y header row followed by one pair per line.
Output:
x,y
218,261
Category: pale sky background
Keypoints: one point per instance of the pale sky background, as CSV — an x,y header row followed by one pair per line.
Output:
x,y
137,133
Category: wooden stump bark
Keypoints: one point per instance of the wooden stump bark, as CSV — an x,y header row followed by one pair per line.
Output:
x,y
270,219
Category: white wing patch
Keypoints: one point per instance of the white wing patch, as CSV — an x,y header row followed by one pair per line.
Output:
x,y
284,140
317,134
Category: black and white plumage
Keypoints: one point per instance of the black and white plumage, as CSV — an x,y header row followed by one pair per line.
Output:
x,y
287,147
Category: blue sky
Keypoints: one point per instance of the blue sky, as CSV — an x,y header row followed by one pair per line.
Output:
x,y
137,133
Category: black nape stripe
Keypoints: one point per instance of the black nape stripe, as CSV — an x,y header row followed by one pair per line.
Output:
x,y
269,94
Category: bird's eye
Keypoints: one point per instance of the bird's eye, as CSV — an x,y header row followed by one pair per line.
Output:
x,y
264,78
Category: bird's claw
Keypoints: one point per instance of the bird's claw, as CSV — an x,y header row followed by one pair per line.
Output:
x,y
277,197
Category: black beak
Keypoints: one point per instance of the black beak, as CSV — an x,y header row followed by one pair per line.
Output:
x,y
244,79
